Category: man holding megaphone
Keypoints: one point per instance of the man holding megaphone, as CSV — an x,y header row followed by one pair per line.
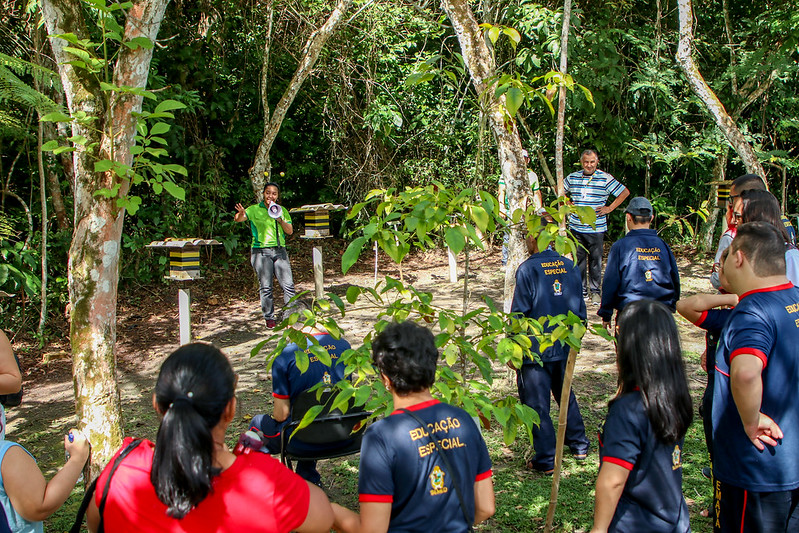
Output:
x,y
269,223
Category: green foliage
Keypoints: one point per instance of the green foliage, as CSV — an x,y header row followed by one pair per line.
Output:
x,y
471,341
418,215
93,58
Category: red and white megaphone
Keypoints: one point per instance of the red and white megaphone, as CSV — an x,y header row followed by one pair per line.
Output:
x,y
275,211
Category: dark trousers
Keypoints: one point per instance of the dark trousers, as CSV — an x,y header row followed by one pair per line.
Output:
x,y
736,509
590,252
535,383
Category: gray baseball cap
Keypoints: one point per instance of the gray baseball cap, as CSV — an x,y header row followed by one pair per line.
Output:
x,y
640,207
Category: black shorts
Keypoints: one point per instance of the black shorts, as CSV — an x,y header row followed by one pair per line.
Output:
x,y
742,511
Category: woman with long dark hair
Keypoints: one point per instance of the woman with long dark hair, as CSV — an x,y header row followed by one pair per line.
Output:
x,y
425,467
639,487
189,480
762,206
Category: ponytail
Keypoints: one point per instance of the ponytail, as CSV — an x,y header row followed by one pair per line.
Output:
x,y
194,386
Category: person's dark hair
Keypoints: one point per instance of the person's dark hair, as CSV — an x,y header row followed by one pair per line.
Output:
x,y
748,182
764,247
194,386
762,206
271,184
639,219
406,353
589,151
649,358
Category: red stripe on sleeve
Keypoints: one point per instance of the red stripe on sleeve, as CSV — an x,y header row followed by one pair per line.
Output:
x,y
485,475
621,462
701,319
750,351
280,396
378,498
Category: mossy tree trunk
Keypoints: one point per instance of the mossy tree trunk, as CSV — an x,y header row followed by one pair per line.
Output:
x,y
480,63
94,254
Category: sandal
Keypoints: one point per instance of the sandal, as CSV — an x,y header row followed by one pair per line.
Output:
x,y
532,467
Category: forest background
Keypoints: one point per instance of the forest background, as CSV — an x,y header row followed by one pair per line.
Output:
x,y
388,103
363,120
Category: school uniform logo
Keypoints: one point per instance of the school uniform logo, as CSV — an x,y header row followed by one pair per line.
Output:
x,y
557,288
676,458
326,379
437,481
648,275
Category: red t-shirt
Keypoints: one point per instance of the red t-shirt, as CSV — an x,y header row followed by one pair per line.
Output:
x,y
256,494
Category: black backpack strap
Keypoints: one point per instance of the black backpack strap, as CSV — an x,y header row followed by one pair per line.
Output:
x,y
84,505
448,466
89,494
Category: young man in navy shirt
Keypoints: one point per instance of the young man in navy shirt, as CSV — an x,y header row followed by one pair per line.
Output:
x,y
288,382
755,394
640,265
548,284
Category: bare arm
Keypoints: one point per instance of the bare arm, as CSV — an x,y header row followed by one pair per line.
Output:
x,y
747,391
10,378
484,506
692,308
605,209
374,518
503,212
31,495
320,514
345,521
288,229
241,215
280,409
609,486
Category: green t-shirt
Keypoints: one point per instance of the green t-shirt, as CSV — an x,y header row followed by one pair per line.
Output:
x,y
266,231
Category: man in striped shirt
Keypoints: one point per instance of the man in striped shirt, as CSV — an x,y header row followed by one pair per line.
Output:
x,y
592,187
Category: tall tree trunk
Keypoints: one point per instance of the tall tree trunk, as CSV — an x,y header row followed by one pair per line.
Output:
x,y
564,64
313,47
53,185
706,94
43,198
478,60
95,251
564,406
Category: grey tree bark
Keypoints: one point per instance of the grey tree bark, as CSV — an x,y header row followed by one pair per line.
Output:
x,y
94,254
480,63
703,91
313,47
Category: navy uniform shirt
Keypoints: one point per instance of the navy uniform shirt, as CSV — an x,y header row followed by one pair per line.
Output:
x,y
399,465
548,284
640,266
288,381
765,323
652,499
712,321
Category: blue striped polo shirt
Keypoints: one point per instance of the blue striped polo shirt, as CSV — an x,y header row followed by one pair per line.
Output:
x,y
592,191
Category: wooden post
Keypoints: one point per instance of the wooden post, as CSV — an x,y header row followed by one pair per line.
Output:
x,y
318,272
184,306
453,266
562,417
375,263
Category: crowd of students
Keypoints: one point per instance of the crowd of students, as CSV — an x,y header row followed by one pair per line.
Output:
x,y
426,467
751,404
